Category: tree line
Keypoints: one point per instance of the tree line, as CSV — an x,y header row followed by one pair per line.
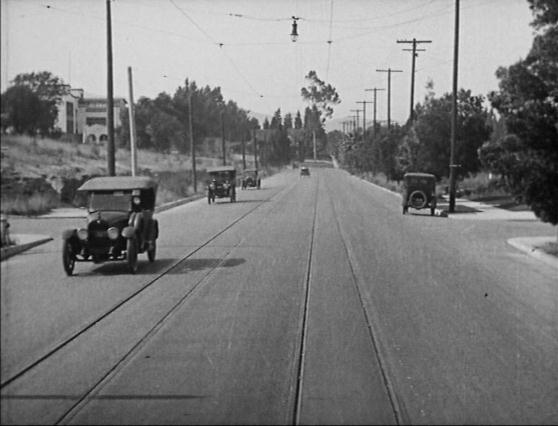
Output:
x,y
517,138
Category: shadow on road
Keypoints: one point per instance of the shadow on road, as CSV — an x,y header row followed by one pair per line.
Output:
x,y
190,265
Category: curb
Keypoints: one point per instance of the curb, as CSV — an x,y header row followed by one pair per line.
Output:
x,y
177,203
520,244
7,252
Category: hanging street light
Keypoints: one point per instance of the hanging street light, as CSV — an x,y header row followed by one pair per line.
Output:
x,y
294,33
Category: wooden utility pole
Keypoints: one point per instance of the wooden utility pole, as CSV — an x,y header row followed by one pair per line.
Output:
x,y
223,148
357,119
132,117
454,112
375,90
243,154
414,41
363,115
389,71
192,144
255,148
110,98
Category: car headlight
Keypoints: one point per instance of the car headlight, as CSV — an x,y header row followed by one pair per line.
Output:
x,y
113,233
82,234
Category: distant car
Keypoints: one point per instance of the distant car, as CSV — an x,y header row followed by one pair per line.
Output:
x,y
419,192
222,183
119,223
250,179
304,171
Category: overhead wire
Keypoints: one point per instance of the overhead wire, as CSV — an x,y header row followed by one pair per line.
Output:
x,y
329,41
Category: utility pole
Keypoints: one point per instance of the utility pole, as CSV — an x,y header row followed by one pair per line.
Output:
x,y
363,115
357,119
243,154
375,90
132,117
110,98
454,111
389,71
255,148
223,137
192,145
414,41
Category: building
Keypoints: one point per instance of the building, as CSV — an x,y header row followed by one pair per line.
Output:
x,y
68,111
84,118
92,118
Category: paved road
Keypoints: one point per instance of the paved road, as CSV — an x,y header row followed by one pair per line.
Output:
x,y
312,300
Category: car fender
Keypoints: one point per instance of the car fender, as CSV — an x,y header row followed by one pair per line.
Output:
x,y
69,234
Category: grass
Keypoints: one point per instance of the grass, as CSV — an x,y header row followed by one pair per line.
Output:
x,y
550,248
49,160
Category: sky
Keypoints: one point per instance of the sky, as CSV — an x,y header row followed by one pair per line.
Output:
x,y
244,47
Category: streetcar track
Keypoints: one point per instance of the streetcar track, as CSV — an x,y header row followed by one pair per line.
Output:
x,y
398,412
133,295
304,325
127,357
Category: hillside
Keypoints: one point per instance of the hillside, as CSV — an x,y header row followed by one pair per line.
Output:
x,y
51,170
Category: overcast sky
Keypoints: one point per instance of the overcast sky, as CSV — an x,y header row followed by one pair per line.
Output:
x,y
244,47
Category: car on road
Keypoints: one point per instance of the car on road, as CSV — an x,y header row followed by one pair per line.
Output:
x,y
250,179
304,171
119,223
222,183
419,192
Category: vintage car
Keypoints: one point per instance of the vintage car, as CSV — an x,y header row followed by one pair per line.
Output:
x,y
119,223
304,171
222,183
419,192
250,179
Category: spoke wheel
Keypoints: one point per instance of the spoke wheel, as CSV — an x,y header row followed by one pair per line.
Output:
x,y
132,255
68,258
151,251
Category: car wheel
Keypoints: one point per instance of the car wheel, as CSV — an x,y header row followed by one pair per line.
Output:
x,y
152,250
405,209
132,255
432,211
68,258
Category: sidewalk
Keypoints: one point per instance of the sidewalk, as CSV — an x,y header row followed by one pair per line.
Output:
x,y
474,210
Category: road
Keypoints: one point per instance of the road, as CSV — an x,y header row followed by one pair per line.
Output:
x,y
310,301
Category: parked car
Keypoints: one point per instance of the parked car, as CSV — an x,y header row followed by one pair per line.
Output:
x,y
304,171
250,179
119,223
222,183
419,192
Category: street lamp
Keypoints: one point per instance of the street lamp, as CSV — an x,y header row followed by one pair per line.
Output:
x,y
294,33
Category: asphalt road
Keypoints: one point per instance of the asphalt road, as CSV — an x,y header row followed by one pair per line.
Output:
x,y
310,301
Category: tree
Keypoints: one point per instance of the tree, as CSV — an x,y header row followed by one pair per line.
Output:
x,y
21,110
528,102
49,90
321,95
432,128
298,121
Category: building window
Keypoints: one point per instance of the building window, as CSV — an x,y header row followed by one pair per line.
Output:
x,y
69,117
90,121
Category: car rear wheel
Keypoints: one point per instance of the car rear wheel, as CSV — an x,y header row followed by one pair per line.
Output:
x,y
151,251
132,255
68,258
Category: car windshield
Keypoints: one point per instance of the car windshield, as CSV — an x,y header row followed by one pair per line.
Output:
x,y
117,201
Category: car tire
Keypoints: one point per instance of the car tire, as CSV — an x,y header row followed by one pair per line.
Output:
x,y
418,194
68,258
132,255
432,211
405,209
151,251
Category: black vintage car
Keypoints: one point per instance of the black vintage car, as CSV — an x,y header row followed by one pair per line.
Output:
x,y
222,183
119,223
419,192
250,179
